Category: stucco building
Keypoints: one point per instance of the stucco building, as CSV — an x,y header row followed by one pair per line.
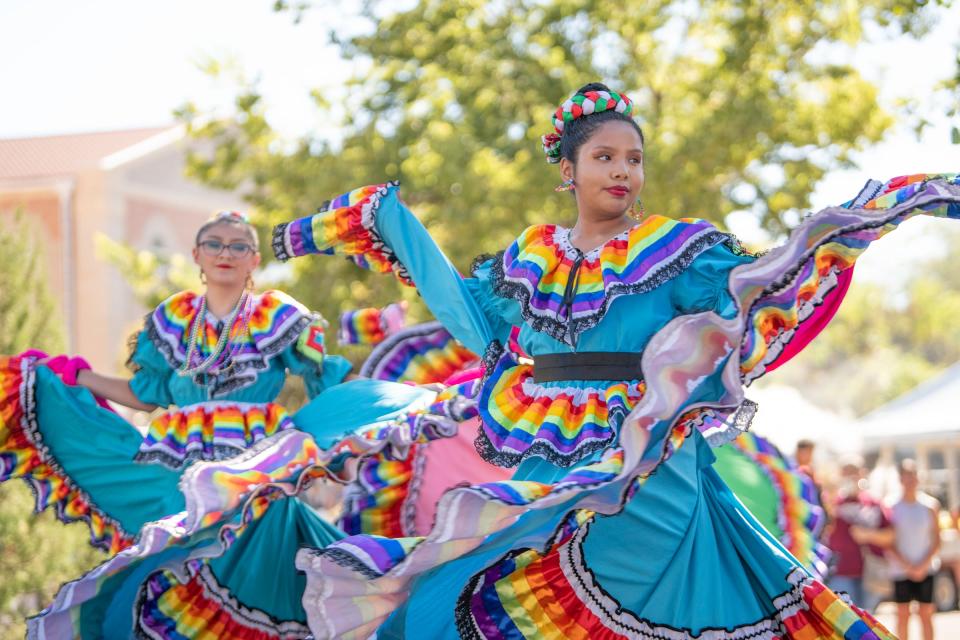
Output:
x,y
129,185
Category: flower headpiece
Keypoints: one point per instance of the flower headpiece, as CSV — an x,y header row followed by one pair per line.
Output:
x,y
230,216
582,104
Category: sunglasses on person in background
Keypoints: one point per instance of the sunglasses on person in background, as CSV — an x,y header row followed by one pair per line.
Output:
x,y
214,248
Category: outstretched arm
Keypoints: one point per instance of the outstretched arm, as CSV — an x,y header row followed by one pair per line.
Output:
x,y
113,389
377,231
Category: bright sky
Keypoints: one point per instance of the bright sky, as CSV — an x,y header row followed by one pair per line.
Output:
x,y
107,64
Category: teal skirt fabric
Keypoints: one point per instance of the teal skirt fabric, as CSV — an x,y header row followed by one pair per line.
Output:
x,y
684,555
232,577
82,456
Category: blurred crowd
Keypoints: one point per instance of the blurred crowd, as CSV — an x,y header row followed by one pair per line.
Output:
x,y
902,547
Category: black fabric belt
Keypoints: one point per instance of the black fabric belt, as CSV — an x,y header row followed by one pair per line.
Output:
x,y
587,365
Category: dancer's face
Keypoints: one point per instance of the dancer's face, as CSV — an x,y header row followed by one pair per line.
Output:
x,y
226,255
608,174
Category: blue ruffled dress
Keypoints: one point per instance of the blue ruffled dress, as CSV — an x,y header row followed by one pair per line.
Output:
x,y
90,464
615,524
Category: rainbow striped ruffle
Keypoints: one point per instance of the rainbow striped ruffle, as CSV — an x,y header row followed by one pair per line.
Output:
x,y
276,322
799,514
825,246
371,325
186,601
210,431
202,609
23,455
382,500
342,226
562,424
537,267
554,595
422,354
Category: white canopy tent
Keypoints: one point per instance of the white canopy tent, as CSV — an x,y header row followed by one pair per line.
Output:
x,y
919,423
784,417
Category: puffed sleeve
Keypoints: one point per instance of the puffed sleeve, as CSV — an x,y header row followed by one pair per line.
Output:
x,y
308,359
376,230
703,286
151,372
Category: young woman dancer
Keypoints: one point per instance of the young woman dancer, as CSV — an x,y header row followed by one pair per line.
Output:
x,y
642,330
215,363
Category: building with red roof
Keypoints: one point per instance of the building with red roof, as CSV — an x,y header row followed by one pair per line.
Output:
x,y
128,185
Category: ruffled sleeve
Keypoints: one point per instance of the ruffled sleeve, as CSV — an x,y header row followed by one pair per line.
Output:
x,y
502,313
703,286
151,372
308,359
373,228
371,326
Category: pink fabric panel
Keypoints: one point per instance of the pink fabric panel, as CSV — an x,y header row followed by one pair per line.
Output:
x,y
463,376
816,323
449,462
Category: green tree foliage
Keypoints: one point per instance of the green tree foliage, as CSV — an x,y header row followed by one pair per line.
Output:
x,y
37,553
741,101
152,277
29,315
880,346
952,86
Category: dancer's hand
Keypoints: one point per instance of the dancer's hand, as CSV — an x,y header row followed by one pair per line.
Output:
x,y
917,572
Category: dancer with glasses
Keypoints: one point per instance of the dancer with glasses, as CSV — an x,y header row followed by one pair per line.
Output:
x,y
210,366
642,331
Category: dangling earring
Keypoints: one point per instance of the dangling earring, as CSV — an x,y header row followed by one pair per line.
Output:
x,y
203,277
566,185
249,284
636,210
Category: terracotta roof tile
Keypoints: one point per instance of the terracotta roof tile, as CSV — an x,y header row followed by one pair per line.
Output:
x,y
64,154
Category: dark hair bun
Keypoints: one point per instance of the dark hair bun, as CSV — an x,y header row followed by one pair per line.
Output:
x,y
594,86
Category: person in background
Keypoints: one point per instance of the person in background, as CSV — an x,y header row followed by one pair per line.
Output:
x,y
914,553
804,456
860,526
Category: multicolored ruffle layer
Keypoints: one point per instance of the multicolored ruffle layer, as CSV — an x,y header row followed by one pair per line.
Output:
x,y
275,322
537,268
224,499
558,422
210,431
371,325
24,455
342,226
213,488
349,594
382,499
202,609
182,600
555,595
799,514
826,245
422,354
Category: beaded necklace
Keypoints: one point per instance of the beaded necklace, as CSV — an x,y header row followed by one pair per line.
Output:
x,y
198,329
